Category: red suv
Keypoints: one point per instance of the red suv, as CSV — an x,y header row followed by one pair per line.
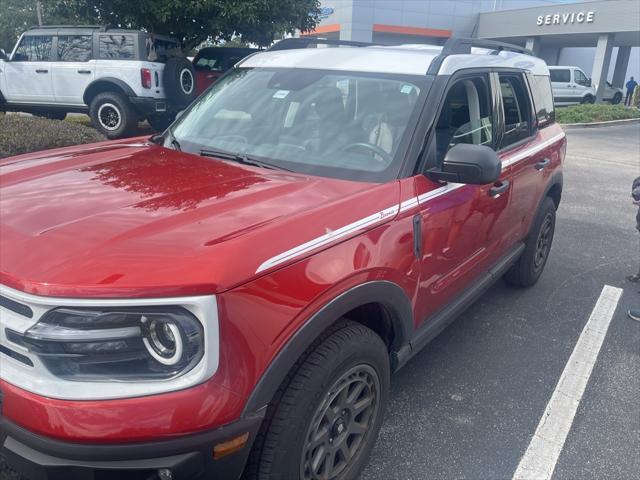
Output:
x,y
231,297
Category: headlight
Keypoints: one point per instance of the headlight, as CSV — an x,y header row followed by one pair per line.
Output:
x,y
122,344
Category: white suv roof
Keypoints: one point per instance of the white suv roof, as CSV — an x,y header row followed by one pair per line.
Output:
x,y
407,59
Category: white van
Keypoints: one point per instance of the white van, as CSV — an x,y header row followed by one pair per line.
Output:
x,y
571,85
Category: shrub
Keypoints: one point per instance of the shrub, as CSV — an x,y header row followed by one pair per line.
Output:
x,y
595,113
23,134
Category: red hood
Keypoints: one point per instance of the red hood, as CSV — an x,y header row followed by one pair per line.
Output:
x,y
132,219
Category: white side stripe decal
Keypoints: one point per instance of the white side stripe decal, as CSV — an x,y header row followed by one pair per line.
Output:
x,y
383,215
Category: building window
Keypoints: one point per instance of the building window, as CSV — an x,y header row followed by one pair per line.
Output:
x,y
74,48
34,49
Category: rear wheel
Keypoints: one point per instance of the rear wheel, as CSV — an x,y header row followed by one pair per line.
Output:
x,y
112,115
326,418
527,270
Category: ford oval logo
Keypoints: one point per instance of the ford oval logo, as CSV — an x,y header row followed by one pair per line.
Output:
x,y
325,12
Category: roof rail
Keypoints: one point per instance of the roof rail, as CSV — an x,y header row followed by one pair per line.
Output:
x,y
45,27
304,42
461,46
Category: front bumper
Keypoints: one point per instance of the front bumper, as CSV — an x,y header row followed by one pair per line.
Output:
x,y
188,457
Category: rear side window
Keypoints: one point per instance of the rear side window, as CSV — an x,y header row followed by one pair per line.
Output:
x,y
34,49
74,48
542,99
116,47
517,112
563,76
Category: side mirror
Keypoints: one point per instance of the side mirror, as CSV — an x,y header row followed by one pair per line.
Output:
x,y
3,55
467,163
589,82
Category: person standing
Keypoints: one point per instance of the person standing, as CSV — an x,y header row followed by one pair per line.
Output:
x,y
631,85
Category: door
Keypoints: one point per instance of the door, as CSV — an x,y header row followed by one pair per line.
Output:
x,y
520,150
465,228
28,74
581,85
74,69
563,86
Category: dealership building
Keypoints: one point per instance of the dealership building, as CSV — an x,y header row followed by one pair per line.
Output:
x,y
602,37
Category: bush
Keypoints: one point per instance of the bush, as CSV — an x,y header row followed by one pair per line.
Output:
x,y
595,113
23,134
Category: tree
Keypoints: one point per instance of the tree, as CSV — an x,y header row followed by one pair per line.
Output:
x,y
192,21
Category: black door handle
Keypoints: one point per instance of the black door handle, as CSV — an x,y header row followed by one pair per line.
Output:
x,y
84,71
542,163
41,70
499,188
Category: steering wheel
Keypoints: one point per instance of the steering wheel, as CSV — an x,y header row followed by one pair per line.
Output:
x,y
371,147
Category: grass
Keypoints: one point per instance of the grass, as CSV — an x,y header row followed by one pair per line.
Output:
x,y
595,113
24,134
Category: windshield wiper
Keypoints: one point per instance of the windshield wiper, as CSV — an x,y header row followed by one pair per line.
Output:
x,y
241,158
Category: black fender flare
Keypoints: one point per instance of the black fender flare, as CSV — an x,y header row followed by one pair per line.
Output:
x,y
391,296
556,181
96,86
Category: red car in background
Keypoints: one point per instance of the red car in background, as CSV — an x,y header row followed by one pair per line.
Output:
x,y
212,62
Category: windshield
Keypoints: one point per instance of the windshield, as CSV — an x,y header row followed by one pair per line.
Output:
x,y
329,123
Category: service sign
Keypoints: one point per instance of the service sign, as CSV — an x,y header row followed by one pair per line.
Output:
x,y
568,18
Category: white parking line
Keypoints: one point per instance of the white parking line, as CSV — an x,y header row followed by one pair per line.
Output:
x,y
541,457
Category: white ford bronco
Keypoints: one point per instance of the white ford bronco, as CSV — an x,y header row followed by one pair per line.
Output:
x,y
117,76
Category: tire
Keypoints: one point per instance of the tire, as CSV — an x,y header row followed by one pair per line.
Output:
x,y
179,80
527,270
588,99
317,391
52,115
160,122
112,115
617,98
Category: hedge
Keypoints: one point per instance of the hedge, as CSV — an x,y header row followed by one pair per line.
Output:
x,y
595,113
23,134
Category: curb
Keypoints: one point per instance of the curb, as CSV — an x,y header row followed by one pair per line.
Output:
x,y
610,123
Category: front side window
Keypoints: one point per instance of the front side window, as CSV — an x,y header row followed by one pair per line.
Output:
x,y
516,104
328,123
74,48
560,76
465,116
581,79
34,49
116,47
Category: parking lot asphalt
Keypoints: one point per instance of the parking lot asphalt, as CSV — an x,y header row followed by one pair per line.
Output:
x,y
467,406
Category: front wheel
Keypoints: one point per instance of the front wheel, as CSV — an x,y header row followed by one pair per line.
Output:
x,y
527,270
617,98
326,418
588,99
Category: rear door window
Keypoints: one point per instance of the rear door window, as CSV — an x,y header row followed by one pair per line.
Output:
x,y
517,108
542,99
560,76
74,48
34,49
116,47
